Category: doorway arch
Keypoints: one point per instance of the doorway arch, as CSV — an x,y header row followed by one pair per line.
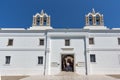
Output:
x,y
67,62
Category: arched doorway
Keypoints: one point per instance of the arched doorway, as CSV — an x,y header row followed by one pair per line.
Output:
x,y
67,62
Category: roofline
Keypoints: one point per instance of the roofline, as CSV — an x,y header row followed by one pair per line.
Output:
x,y
60,30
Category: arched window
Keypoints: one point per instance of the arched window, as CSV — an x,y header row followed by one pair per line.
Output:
x,y
45,21
90,20
97,20
38,21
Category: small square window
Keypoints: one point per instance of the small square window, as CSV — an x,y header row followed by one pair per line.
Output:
x,y
10,42
7,61
118,41
92,58
40,59
41,42
67,42
91,40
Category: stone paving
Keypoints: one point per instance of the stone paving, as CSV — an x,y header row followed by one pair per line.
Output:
x,y
71,76
64,76
12,77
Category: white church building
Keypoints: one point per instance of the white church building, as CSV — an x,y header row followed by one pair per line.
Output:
x,y
43,50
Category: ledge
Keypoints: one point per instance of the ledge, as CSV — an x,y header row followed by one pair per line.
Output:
x,y
67,49
103,49
22,49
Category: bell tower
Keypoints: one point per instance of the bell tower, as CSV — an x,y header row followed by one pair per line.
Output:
x,y
41,21
94,20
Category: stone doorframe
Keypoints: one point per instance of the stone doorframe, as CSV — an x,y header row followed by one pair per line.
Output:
x,y
67,59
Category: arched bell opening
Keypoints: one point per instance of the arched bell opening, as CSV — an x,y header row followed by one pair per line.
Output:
x,y
90,20
45,21
97,20
38,20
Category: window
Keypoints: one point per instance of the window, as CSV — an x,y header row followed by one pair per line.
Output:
x,y
7,61
40,59
10,42
92,58
67,42
118,41
41,42
91,40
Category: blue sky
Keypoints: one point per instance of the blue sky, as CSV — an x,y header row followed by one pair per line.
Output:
x,y
64,13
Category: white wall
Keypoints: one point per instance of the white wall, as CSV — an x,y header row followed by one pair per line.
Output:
x,y
105,43
24,54
26,49
107,53
22,63
57,48
107,62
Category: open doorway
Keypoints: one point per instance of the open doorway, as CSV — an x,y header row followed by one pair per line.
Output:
x,y
67,62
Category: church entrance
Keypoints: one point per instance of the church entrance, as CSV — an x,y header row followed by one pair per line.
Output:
x,y
67,62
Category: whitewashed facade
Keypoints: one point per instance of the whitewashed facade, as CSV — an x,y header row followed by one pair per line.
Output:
x,y
43,50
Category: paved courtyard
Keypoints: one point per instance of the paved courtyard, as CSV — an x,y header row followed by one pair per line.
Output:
x,y
64,76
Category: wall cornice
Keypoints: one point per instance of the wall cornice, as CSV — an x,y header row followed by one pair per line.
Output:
x,y
103,49
104,34
22,49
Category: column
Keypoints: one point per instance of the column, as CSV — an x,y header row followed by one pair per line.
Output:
x,y
41,21
94,20
34,21
87,20
48,21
